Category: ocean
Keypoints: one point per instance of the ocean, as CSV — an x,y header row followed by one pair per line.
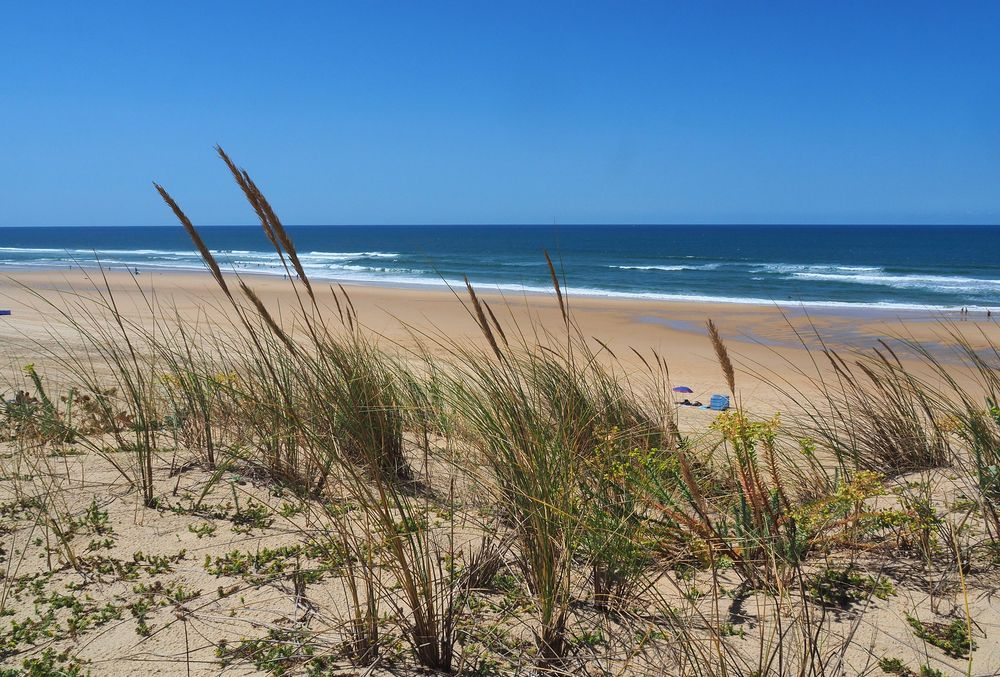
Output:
x,y
891,267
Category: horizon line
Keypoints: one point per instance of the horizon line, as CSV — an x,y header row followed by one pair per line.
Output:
x,y
522,224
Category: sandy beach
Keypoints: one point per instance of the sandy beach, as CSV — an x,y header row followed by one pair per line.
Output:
x,y
767,342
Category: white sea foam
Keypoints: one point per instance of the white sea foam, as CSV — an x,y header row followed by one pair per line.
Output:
x,y
937,283
332,256
878,276
355,255
91,252
707,266
31,250
819,268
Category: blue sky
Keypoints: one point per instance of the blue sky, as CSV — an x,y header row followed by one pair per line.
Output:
x,y
502,112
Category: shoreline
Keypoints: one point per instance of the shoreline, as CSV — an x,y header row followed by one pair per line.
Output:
x,y
768,343
672,314
859,310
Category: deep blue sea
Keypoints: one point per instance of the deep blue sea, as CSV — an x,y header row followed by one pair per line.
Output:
x,y
941,267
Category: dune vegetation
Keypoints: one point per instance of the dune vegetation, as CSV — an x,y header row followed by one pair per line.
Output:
x,y
295,495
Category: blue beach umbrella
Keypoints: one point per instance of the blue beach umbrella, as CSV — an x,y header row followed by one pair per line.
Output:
x,y
683,389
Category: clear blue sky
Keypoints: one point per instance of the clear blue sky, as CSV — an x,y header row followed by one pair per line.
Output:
x,y
502,112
